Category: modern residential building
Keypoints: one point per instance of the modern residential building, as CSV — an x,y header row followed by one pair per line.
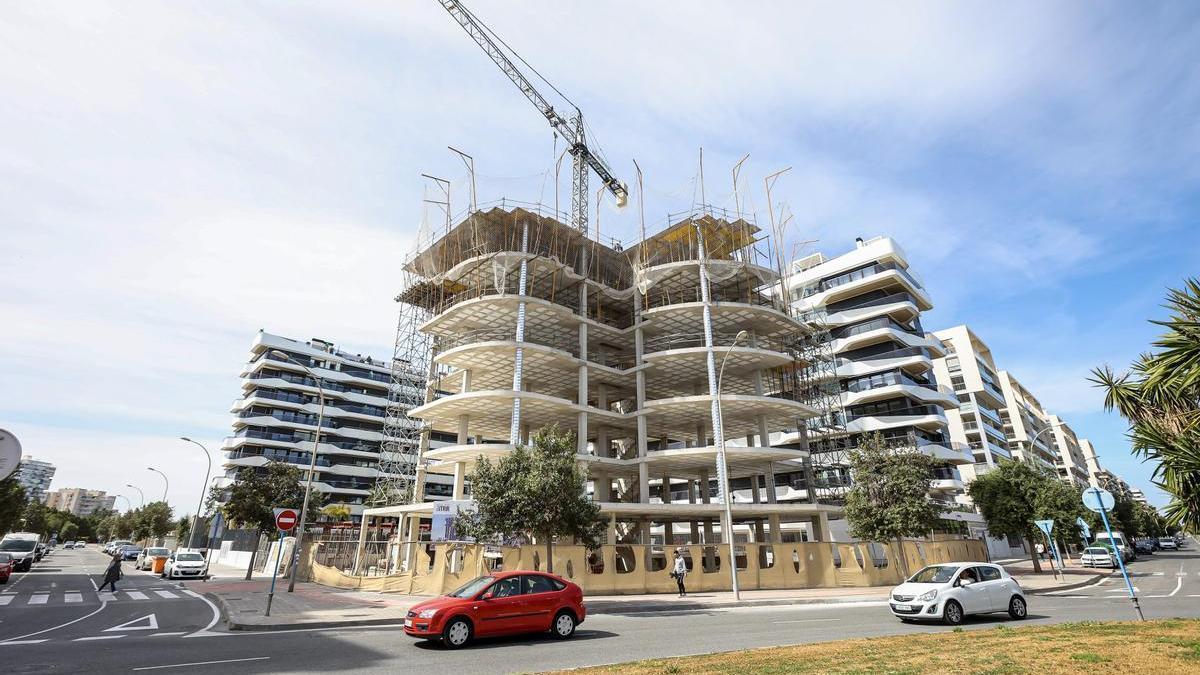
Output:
x,y
276,416
1139,496
868,305
1071,464
970,369
653,354
79,501
35,475
1027,425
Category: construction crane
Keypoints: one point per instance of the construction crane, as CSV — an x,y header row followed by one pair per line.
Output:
x,y
571,130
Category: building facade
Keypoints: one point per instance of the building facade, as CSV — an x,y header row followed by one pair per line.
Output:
x,y
867,304
1027,425
970,369
1070,464
651,354
35,475
79,501
275,419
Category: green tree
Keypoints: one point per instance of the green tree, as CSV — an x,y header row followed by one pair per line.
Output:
x,y
68,532
34,517
251,498
12,504
107,528
1160,399
183,527
125,525
337,512
889,498
536,492
1015,494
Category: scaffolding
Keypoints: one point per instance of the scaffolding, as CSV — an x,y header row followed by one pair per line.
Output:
x,y
825,435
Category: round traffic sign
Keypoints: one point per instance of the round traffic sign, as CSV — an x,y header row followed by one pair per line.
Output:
x,y
1096,499
10,454
285,519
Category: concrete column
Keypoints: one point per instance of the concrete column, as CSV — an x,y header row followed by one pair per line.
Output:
x,y
612,528
772,498
603,445
460,479
666,489
764,434
754,489
640,400
463,425
776,529
760,535
581,396
466,381
525,433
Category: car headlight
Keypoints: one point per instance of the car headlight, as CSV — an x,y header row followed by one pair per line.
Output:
x,y
927,596
427,613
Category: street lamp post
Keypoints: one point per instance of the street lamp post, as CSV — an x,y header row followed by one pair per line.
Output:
x,y
141,495
166,483
203,489
312,465
723,471
128,504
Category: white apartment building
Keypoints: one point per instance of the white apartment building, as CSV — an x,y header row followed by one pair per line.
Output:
x,y
870,303
1139,496
80,501
1027,425
35,475
275,418
1071,465
970,369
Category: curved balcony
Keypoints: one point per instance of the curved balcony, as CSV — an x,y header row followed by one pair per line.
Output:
x,y
677,360
925,393
911,359
443,459
490,412
877,276
902,307
680,416
923,417
490,311
694,462
727,317
887,332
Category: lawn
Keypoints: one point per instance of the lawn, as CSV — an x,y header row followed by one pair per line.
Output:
x,y
1166,646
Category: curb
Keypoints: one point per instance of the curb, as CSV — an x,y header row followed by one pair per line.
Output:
x,y
233,625
611,607
1070,587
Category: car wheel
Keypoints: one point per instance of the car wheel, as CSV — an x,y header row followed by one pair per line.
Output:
x,y
952,613
564,625
1017,608
457,633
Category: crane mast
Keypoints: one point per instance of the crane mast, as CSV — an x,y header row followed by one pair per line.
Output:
x,y
572,130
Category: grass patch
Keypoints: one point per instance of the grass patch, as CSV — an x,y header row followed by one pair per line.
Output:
x,y
1152,646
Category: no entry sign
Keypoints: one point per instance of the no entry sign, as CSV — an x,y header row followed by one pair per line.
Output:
x,y
285,519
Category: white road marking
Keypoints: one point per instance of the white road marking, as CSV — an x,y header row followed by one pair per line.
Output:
x,y
98,637
106,596
137,595
150,619
22,642
804,620
5,599
166,594
204,663
169,634
215,618
94,586
103,604
38,598
73,596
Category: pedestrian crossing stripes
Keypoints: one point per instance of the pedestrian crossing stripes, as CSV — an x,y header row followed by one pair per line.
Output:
x,y
79,597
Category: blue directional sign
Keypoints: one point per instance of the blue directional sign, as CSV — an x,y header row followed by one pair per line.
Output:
x,y
1045,526
1097,499
1083,528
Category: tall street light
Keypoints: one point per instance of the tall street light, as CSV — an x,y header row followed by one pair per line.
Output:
x,y
166,483
203,489
128,504
312,465
141,495
723,470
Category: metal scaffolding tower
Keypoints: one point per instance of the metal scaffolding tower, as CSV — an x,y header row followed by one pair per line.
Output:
x,y
828,441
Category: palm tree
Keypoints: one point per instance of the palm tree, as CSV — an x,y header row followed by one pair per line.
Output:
x,y
1160,397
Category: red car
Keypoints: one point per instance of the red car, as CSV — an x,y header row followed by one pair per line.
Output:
x,y
6,567
503,603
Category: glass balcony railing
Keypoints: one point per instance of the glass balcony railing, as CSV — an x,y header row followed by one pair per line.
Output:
x,y
857,303
920,410
859,274
877,324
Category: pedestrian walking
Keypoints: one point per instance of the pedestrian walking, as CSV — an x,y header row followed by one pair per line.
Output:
x,y
679,572
1041,551
112,574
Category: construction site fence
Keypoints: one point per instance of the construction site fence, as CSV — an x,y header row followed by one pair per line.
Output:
x,y
438,568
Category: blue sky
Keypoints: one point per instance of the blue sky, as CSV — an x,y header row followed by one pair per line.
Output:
x,y
175,176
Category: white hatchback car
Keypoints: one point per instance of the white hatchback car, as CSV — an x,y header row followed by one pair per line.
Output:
x,y
952,591
185,565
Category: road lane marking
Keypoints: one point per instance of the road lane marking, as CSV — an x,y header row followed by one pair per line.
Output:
x,y
150,619
137,595
216,614
5,599
38,599
166,594
94,586
106,596
204,663
169,634
64,625
804,620
98,637
73,596
22,642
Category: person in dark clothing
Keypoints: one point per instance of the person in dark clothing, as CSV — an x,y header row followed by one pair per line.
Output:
x,y
679,572
112,574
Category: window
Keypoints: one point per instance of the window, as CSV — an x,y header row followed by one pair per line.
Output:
x,y
506,588
989,573
536,583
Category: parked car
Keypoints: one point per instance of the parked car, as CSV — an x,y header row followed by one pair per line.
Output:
x,y
69,545
954,591
502,603
145,559
185,565
1098,556
1128,554
40,552
23,548
129,552
6,567
115,545
80,544
1144,546
1168,543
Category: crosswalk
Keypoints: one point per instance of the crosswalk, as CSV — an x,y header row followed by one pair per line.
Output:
x,y
69,596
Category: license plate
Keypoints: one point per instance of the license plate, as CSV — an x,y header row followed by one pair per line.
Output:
x,y
408,623
904,608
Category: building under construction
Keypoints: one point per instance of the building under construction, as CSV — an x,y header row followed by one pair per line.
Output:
x,y
650,353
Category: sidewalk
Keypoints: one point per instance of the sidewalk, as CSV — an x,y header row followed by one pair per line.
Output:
x,y
242,602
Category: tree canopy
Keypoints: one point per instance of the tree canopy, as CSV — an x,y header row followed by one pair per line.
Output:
x,y
251,499
535,491
1159,396
12,504
1015,494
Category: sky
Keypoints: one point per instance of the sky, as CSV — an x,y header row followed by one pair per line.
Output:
x,y
176,176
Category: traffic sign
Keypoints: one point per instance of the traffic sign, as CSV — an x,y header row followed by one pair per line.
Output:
x,y
1096,499
1045,526
285,519
10,454
1083,527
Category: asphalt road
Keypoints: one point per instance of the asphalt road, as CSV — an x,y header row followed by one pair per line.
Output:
x,y
1168,584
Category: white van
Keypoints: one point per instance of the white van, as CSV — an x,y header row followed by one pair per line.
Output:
x,y
1120,542
22,546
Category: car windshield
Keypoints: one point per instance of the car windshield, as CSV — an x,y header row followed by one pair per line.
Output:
x,y
129,548
1096,550
18,545
471,587
5,557
159,551
189,557
934,574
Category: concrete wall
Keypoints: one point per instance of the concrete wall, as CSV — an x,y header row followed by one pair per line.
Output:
x,y
633,569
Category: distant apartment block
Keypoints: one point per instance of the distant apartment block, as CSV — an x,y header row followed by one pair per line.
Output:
x,y
1139,496
1070,464
35,475
979,421
275,419
79,501
1027,425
